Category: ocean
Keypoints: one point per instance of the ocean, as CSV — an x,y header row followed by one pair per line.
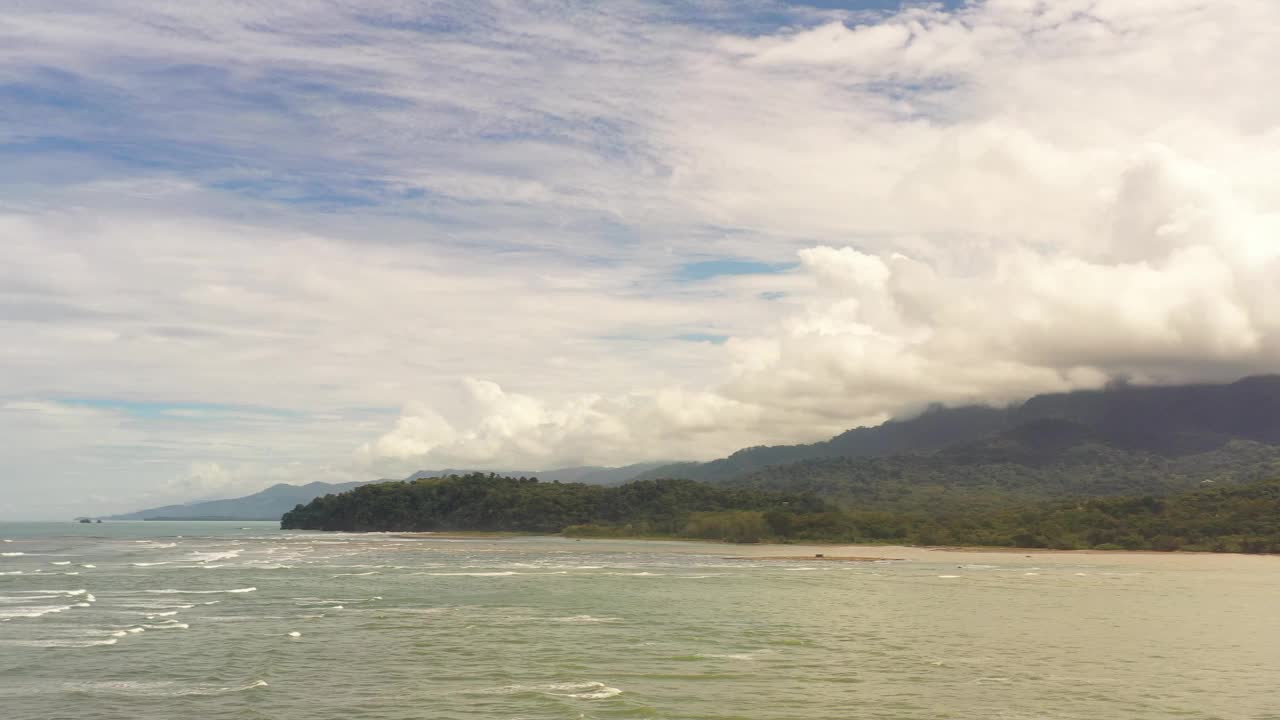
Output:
x,y
207,620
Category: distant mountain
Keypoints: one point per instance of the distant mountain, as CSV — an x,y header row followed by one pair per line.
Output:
x,y
276,500
269,504
1165,421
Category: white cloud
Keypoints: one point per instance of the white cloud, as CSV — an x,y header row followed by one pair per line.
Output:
x,y
1006,198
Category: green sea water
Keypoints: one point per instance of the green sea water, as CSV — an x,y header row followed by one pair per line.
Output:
x,y
242,620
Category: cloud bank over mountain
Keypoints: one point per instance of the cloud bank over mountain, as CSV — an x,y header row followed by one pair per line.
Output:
x,y
330,241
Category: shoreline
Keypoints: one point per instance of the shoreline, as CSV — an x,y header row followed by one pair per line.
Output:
x,y
859,552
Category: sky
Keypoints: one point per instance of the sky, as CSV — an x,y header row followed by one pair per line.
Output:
x,y
249,243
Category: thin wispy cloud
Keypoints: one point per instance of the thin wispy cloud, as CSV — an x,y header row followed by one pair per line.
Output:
x,y
540,234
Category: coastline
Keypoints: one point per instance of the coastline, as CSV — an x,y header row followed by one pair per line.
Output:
x,y
838,552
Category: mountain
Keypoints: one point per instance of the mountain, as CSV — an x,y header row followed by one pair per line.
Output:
x,y
269,504
1162,420
276,500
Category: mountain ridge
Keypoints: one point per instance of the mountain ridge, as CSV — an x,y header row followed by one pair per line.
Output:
x,y
1162,419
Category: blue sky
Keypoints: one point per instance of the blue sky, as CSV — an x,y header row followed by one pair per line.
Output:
x,y
241,245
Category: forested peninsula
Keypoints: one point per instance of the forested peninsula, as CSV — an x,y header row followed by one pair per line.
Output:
x,y
1239,518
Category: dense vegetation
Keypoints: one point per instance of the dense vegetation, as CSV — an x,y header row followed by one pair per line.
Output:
x,y
1243,518
1008,470
490,502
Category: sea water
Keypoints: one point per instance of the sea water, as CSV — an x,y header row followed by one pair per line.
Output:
x,y
241,620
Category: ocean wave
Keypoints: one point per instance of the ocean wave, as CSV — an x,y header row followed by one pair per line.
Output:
x,y
12,572
205,557
62,562
150,564
585,690
586,619
12,554
171,591
168,626
61,643
371,572
598,694
159,688
33,611
504,573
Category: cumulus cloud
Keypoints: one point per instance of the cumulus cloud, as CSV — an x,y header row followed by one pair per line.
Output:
x,y
1054,201
339,212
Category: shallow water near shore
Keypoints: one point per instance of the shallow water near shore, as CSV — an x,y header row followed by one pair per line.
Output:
x,y
242,620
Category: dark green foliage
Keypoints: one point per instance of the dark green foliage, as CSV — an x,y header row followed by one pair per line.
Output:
x,y
1007,470
490,502
1221,519
1244,518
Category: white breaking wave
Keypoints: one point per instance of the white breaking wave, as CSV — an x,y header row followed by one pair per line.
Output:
x,y
170,591
506,573
12,554
588,690
599,694
212,556
159,688
64,562
61,643
170,626
586,619
152,564
34,611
